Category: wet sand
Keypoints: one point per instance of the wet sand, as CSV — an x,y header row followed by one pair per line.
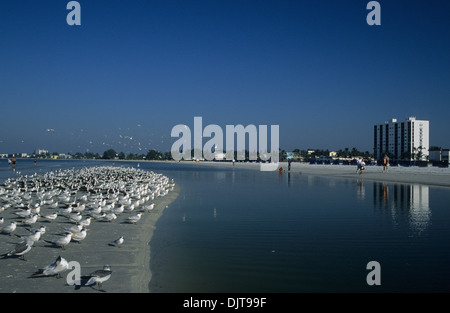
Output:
x,y
130,263
433,176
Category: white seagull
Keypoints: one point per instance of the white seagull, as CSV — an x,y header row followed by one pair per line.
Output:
x,y
42,229
149,207
135,218
75,217
61,241
86,221
110,216
51,217
79,236
23,213
66,211
31,220
20,250
35,236
56,268
99,277
75,228
117,243
9,229
119,209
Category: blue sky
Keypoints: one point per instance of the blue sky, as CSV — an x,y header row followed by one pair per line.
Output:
x,y
134,69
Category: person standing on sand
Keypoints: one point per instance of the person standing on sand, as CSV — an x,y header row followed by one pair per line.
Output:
x,y
358,164
385,163
362,167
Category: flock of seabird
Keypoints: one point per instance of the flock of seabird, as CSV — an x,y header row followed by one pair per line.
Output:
x,y
82,197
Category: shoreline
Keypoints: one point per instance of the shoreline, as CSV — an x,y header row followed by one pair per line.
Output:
x,y
130,264
432,176
140,284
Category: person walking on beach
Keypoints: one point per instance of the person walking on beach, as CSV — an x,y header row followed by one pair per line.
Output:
x,y
360,166
385,163
289,164
14,163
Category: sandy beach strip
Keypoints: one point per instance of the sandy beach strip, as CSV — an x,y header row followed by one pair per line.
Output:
x,y
433,176
130,263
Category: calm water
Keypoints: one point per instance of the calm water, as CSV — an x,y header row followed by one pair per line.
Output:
x,y
248,231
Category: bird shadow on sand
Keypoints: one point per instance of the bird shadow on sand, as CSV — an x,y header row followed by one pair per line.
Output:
x,y
34,276
20,257
83,281
127,223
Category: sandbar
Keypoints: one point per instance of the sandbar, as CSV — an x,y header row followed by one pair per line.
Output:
x,y
130,263
432,176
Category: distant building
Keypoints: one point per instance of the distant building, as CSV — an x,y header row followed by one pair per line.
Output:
x,y
219,156
40,151
445,155
439,155
404,140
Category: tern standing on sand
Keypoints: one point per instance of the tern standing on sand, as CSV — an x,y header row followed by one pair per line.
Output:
x,y
20,250
9,229
118,242
99,277
62,241
56,268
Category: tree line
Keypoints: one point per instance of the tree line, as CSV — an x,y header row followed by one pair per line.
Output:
x,y
111,154
309,154
304,155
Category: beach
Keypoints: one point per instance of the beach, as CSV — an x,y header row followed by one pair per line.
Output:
x,y
432,176
130,263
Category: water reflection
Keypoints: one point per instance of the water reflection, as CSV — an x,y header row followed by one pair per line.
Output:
x,y
361,191
410,199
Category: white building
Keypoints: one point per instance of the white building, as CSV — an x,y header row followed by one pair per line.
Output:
x,y
40,151
404,140
219,156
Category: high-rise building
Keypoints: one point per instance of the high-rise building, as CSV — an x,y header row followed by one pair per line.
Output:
x,y
408,140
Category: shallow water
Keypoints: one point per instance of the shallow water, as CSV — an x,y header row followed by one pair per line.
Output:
x,y
236,230
250,231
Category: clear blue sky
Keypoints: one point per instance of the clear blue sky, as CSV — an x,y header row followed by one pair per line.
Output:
x,y
134,69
